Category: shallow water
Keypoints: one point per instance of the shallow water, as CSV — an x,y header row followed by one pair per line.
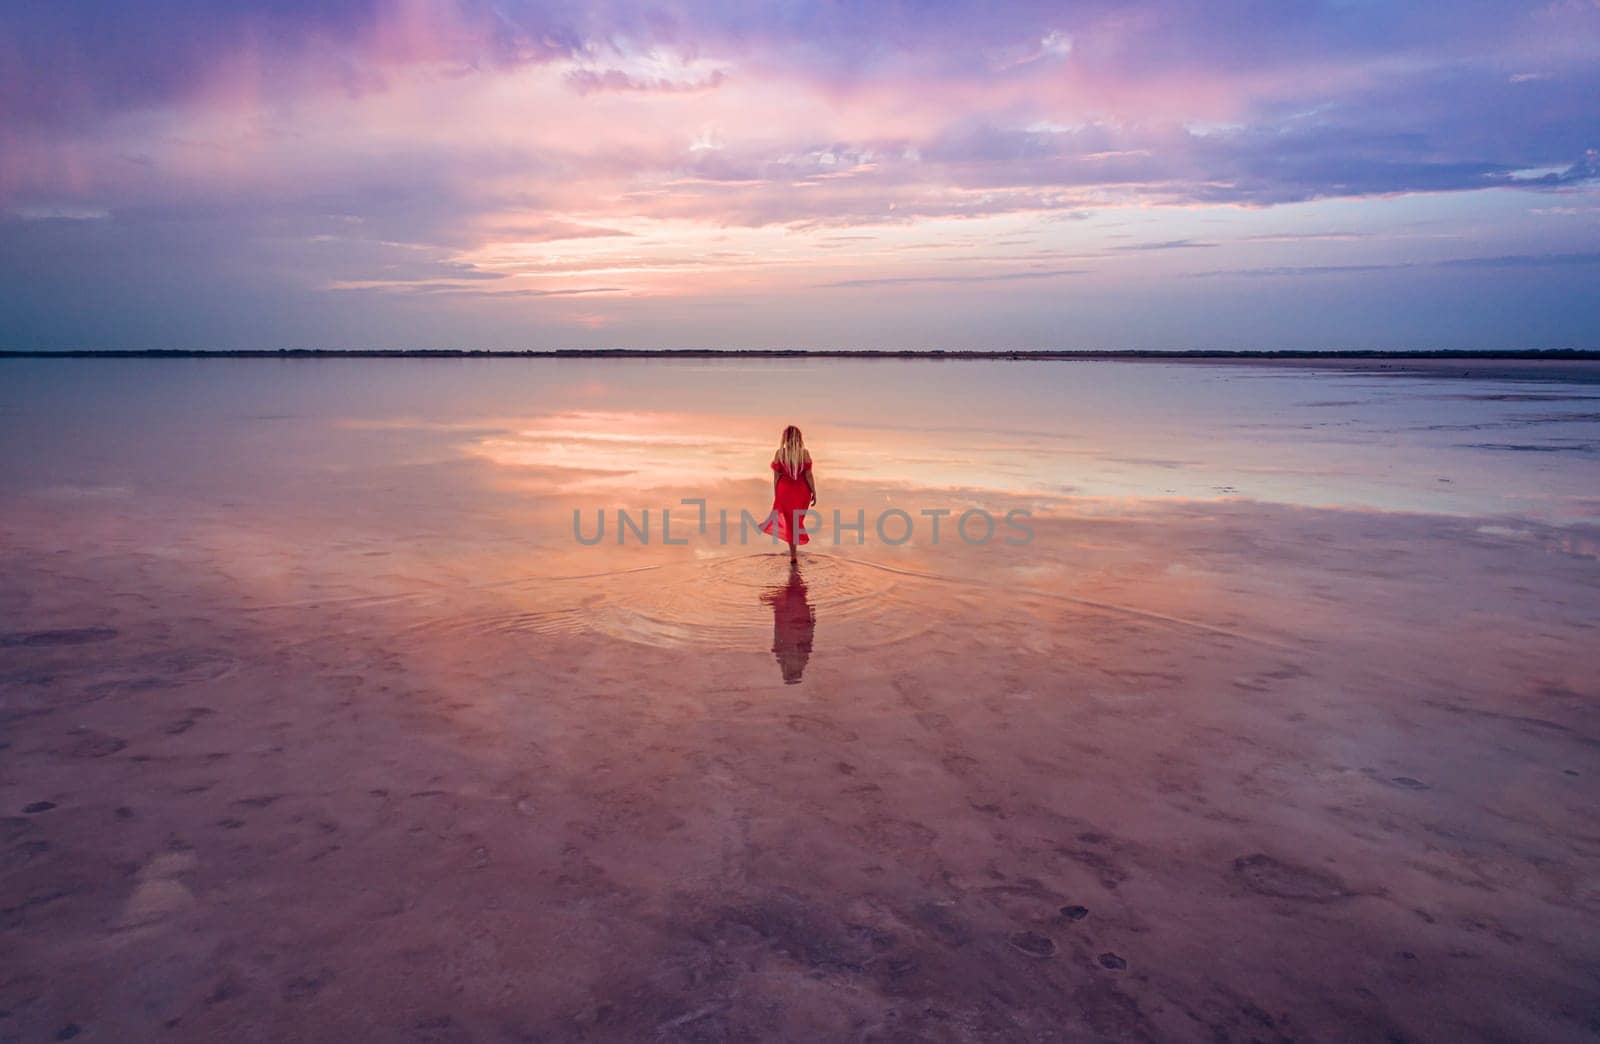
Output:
x,y
1436,440
321,720
392,469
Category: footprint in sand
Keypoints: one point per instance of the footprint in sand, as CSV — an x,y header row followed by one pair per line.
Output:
x,y
1281,880
959,764
259,801
190,719
942,923
95,745
186,666
1034,945
1403,782
159,894
820,728
911,692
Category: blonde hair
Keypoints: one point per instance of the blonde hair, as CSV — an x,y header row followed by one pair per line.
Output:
x,y
791,451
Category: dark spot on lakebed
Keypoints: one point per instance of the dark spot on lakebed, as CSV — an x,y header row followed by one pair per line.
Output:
x,y
304,987
226,990
1112,961
38,806
71,636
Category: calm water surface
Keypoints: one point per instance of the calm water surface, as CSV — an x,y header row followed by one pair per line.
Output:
x,y
266,429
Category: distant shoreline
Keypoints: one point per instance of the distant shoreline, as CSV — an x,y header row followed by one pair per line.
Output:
x,y
1164,355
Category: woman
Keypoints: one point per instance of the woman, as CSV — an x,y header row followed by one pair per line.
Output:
x,y
793,490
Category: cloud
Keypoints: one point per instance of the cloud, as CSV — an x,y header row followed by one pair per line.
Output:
x,y
1522,261
925,116
453,290
1171,244
1298,270
61,213
589,81
1554,260
73,63
1054,44
551,231
274,150
1306,237
1003,277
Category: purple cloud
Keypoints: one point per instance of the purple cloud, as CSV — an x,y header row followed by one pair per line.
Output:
x,y
275,150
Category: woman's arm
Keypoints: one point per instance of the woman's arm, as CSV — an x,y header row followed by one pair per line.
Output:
x,y
811,484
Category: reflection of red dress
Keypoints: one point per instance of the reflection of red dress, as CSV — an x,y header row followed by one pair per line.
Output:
x,y
794,624
793,496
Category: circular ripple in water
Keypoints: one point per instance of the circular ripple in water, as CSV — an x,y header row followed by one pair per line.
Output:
x,y
738,601
742,601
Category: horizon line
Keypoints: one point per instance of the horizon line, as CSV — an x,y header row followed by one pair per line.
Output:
x,y
996,354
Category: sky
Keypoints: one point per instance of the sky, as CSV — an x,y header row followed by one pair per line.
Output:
x,y
774,173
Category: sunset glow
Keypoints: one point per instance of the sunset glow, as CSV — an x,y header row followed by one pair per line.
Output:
x,y
456,172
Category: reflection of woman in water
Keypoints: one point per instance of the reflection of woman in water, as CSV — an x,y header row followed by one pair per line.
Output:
x,y
793,490
793,624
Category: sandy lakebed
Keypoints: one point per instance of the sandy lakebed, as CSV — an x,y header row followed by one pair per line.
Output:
x,y
319,724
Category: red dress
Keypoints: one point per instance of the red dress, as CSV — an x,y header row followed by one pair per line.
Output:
x,y
792,498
